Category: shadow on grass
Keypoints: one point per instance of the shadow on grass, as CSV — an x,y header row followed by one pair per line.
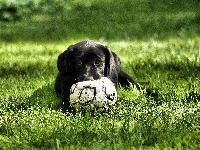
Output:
x,y
165,78
29,70
172,70
113,20
43,97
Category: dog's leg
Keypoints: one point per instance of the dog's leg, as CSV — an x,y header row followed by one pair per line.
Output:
x,y
66,83
125,80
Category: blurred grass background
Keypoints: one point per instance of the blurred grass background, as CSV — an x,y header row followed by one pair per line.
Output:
x,y
110,20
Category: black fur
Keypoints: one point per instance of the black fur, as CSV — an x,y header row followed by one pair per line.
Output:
x,y
87,60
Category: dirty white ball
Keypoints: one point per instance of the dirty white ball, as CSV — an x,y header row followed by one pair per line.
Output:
x,y
93,95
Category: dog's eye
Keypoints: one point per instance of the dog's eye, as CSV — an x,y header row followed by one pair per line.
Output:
x,y
79,63
97,62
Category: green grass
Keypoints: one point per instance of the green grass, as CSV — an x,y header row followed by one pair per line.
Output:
x,y
159,45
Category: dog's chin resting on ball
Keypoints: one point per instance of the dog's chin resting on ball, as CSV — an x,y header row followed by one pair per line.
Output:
x,y
87,61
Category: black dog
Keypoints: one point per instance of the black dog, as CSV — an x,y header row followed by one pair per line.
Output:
x,y
88,60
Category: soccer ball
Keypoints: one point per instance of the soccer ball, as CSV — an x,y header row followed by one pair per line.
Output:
x,y
93,95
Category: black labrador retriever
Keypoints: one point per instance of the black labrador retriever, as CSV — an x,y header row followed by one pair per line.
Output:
x,y
88,60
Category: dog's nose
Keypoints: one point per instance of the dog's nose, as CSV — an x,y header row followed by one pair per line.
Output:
x,y
85,78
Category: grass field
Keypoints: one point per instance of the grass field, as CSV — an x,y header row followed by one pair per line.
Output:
x,y
159,45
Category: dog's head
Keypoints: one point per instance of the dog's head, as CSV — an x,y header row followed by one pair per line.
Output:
x,y
89,60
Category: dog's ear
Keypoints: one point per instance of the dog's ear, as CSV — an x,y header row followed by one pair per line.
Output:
x,y
112,64
65,62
